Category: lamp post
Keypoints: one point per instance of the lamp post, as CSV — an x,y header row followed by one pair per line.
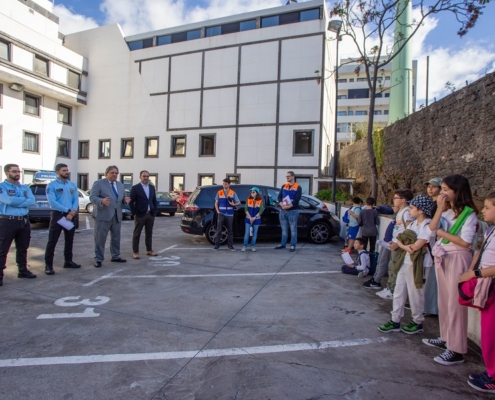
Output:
x,y
334,26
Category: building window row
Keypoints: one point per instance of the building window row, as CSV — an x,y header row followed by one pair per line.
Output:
x,y
350,80
31,144
266,22
33,104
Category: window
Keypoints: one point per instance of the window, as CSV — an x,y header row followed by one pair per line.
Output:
x,y
126,179
341,113
63,148
361,80
385,112
206,179
289,18
161,40
183,36
359,93
342,80
28,177
247,25
351,79
235,179
127,148
5,50
73,79
361,112
266,22
309,15
377,112
64,114
213,31
141,44
151,147
342,97
31,142
40,65
387,94
177,181
154,180
196,34
104,148
83,149
343,128
178,146
31,104
350,113
101,176
303,143
82,181
206,145
387,78
1,95
378,95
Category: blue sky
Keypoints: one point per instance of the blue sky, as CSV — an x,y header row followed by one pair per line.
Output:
x,y
452,58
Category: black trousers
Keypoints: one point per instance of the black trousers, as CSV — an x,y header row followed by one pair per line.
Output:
x,y
18,231
229,223
54,232
145,221
372,240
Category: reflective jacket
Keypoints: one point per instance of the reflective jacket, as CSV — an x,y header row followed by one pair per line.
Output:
x,y
223,203
294,193
253,208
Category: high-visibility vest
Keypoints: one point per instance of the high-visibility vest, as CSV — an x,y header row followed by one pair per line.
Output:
x,y
291,191
223,203
253,209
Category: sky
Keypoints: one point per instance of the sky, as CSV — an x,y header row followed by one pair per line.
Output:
x,y
452,59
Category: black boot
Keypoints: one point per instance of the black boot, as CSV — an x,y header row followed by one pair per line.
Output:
x,y
25,273
49,270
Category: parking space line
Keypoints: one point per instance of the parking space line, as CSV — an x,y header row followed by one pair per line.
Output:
x,y
175,355
168,248
220,275
87,223
103,277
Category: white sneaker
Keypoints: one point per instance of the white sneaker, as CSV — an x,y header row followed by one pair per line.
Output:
x,y
362,274
253,248
386,294
243,248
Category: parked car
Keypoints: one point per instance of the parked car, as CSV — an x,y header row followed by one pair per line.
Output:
x,y
315,224
315,201
40,211
84,202
126,210
166,204
181,197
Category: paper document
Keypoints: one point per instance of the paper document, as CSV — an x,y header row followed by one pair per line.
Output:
x,y
286,200
383,244
347,258
65,223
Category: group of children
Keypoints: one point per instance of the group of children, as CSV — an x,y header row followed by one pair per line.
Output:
x,y
427,252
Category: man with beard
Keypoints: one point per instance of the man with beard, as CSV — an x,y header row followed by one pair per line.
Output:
x,y
64,201
15,200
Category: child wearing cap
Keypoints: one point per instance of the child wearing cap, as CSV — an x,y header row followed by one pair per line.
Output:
x,y
414,255
253,208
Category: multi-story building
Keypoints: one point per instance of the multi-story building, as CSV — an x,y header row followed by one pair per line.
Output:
x,y
235,96
42,87
353,99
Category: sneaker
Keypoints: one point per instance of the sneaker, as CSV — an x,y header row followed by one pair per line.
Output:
x,y
477,376
292,249
243,249
449,357
371,284
49,270
280,246
231,248
484,383
390,326
345,249
438,343
412,328
253,249
386,294
216,247
362,274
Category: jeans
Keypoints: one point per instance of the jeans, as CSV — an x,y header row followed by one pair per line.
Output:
x,y
246,234
350,271
288,219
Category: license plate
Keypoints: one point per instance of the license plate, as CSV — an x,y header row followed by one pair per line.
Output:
x,y
42,204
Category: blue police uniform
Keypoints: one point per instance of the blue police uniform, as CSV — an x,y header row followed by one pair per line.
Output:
x,y
15,201
63,197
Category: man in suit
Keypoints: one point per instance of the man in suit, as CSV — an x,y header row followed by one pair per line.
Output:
x,y
144,208
108,196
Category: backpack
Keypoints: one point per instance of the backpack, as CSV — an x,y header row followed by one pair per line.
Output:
x,y
373,261
384,210
345,217
479,235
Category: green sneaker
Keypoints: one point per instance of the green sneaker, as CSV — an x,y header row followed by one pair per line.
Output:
x,y
412,328
390,326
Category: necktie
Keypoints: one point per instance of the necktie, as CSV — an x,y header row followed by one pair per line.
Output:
x,y
115,190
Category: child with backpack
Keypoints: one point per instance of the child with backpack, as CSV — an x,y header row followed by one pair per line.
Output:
x,y
413,256
362,266
368,220
351,219
453,257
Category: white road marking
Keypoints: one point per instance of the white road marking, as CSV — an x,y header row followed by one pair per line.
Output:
x,y
87,313
87,224
225,275
168,248
174,355
102,277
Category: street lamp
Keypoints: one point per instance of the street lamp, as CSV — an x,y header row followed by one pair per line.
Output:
x,y
334,26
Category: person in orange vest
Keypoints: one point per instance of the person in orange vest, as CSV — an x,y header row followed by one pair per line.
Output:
x,y
288,198
253,208
225,201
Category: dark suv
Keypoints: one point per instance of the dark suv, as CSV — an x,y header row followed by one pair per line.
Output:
x,y
315,224
41,211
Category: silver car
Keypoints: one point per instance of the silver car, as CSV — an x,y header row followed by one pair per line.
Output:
x,y
84,202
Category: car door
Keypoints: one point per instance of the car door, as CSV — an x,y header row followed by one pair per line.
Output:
x,y
270,217
242,192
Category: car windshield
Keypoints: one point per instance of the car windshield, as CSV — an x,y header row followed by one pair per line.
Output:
x,y
273,197
39,190
163,196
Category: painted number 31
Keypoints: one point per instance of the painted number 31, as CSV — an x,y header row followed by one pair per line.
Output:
x,y
73,301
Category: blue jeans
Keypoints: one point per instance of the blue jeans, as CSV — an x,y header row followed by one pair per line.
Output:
x,y
246,234
288,219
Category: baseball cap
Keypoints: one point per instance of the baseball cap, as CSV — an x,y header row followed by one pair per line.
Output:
x,y
435,182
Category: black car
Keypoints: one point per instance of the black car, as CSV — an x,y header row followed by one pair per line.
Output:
x,y
166,204
40,212
315,224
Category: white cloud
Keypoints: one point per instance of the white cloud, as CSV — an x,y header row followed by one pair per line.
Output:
x,y
70,23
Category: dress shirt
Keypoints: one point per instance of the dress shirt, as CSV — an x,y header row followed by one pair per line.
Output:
x,y
15,199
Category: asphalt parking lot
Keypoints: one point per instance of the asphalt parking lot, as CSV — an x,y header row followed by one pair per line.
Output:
x,y
193,323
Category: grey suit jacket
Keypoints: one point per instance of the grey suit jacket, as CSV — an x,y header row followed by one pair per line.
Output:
x,y
101,189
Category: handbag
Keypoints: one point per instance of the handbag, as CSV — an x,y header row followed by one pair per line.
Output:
x,y
467,290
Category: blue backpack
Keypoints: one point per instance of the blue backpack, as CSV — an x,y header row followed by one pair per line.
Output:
x,y
345,217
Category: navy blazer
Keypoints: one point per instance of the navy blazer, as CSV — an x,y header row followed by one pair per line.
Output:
x,y
139,202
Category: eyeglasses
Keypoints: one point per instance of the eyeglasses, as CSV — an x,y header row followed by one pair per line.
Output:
x,y
15,171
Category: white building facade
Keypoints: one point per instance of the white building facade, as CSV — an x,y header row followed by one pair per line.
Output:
x,y
42,86
234,97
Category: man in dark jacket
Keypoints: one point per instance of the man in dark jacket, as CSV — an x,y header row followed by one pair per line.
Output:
x,y
143,207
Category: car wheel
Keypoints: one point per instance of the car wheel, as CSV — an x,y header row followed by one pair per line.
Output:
x,y
172,214
89,208
210,232
319,233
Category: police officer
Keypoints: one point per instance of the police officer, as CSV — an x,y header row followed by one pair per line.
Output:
x,y
15,199
64,201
